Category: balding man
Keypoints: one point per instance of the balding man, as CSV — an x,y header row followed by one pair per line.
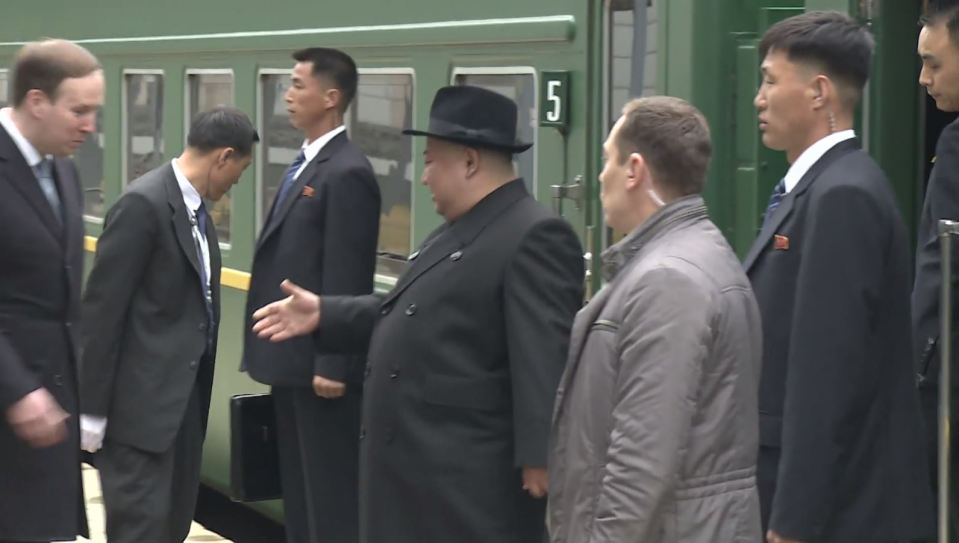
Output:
x,y
57,90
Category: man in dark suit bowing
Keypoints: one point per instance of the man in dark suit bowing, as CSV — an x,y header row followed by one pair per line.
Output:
x,y
939,50
466,352
321,232
151,311
841,457
57,90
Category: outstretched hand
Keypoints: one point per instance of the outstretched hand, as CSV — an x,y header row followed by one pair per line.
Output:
x,y
295,315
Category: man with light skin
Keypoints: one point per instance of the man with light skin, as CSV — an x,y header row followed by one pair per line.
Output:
x,y
151,309
938,49
658,401
465,352
841,456
57,90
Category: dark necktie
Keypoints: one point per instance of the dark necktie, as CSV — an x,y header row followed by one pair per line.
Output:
x,y
779,192
289,178
202,218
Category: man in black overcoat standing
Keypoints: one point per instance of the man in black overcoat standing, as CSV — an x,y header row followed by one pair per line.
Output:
x,y
841,455
57,91
466,352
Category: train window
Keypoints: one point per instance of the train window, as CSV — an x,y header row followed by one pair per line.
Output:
x,y
89,161
4,88
207,89
519,85
632,52
279,140
142,123
382,109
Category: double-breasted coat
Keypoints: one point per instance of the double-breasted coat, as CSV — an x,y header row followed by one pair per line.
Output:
x,y
465,354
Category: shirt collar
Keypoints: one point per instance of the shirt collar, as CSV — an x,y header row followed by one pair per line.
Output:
x,y
311,149
812,155
29,152
191,198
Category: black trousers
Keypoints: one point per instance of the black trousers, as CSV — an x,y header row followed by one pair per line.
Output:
x,y
319,464
151,497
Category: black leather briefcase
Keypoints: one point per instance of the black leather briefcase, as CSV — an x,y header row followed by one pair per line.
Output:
x,y
254,457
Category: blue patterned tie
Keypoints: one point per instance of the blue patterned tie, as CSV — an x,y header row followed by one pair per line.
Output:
x,y
201,219
44,173
779,192
289,178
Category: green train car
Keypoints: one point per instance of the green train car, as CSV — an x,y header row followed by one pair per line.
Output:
x,y
570,64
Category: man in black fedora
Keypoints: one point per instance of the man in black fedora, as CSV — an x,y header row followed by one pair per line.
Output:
x,y
466,352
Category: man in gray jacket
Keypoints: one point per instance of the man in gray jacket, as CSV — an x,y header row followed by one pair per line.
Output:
x,y
655,428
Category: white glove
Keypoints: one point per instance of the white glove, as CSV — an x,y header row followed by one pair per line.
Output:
x,y
92,430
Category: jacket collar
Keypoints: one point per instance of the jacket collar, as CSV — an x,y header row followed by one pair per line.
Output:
x,y
671,216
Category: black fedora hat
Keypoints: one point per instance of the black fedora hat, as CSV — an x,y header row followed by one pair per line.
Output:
x,y
473,116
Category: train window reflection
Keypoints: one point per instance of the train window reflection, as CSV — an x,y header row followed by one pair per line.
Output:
x,y
89,161
4,88
279,140
143,123
632,53
383,108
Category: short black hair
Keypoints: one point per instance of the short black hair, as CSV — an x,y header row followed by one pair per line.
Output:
x,y
948,14
335,65
832,41
222,127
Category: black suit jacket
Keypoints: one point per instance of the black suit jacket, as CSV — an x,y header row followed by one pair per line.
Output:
x,y
145,320
323,239
941,202
841,455
41,262
465,355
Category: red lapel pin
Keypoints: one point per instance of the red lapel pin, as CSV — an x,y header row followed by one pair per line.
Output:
x,y
780,243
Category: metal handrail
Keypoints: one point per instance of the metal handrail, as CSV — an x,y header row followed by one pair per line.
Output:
x,y
947,229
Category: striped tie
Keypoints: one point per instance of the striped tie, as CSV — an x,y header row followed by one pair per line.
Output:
x,y
44,173
289,178
779,192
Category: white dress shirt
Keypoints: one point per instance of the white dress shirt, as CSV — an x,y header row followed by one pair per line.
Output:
x,y
311,149
812,155
192,201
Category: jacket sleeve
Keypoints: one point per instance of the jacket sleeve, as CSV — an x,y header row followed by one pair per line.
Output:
x,y
346,323
123,254
829,378
543,290
352,221
662,344
16,380
942,197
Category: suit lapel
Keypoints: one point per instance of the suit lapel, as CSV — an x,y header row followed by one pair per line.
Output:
x,y
455,236
181,220
281,209
19,174
70,202
788,202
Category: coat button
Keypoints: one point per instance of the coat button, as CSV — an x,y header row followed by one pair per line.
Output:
x,y
193,364
58,379
411,310
69,324
395,374
456,256
367,371
362,433
385,310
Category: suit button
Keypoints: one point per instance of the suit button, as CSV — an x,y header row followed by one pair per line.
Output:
x,y
456,256
362,433
69,324
384,310
367,371
395,374
58,379
411,310
193,364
